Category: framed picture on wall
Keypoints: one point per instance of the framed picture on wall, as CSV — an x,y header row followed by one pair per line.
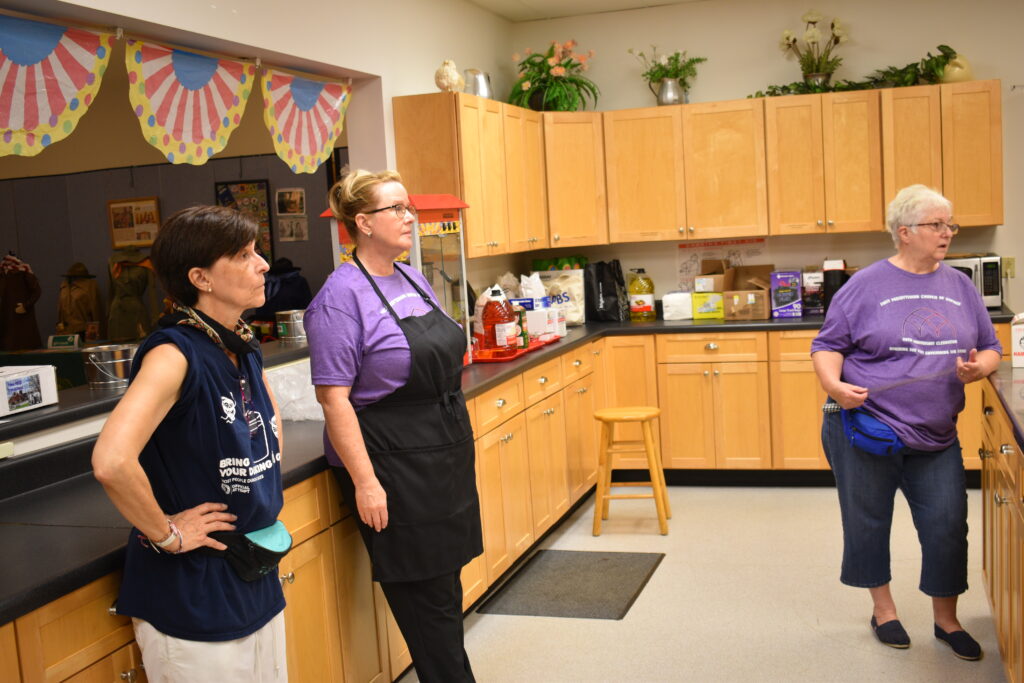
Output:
x,y
133,222
291,201
251,197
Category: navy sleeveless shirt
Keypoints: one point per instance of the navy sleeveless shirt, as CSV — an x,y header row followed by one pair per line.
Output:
x,y
209,448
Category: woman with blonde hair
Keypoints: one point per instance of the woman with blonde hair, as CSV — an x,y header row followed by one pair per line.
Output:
x,y
900,341
387,365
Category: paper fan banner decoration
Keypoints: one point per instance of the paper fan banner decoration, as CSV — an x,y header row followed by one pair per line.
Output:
x,y
49,76
304,118
187,104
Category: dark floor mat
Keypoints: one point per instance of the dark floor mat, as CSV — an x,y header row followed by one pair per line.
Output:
x,y
575,584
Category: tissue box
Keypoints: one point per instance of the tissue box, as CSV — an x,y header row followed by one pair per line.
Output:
x,y
1017,340
26,387
708,305
677,306
786,294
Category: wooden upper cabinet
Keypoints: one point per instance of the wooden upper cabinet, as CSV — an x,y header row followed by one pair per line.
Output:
x,y
482,159
796,168
427,143
852,137
911,139
723,154
644,166
824,163
972,151
574,154
525,175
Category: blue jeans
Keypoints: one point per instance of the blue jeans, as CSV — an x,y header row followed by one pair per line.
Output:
x,y
935,488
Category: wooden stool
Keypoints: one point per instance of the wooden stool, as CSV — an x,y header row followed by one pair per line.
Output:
x,y
609,446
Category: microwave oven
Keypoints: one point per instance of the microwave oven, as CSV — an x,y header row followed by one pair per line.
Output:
x,y
986,272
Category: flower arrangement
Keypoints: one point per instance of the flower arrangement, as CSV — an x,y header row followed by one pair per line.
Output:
x,y
816,55
676,66
553,80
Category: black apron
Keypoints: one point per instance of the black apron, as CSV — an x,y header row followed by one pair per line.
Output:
x,y
420,444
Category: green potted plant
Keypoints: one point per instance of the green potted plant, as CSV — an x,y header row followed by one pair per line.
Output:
x,y
553,80
664,73
815,56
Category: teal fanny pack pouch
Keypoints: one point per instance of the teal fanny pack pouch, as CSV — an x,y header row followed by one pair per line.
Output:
x,y
868,433
255,554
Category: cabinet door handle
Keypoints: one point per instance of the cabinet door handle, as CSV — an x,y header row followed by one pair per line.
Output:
x,y
1007,449
820,223
129,675
543,380
500,403
706,373
999,500
287,578
597,353
692,229
576,363
717,373
711,346
984,454
682,229
831,223
988,411
112,610
556,237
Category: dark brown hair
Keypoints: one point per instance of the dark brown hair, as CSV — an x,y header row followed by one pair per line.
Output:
x,y
195,238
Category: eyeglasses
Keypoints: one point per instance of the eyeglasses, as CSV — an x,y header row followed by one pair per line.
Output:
x,y
399,209
941,226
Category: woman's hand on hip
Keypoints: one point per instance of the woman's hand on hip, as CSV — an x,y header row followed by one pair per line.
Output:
x,y
196,523
372,505
849,396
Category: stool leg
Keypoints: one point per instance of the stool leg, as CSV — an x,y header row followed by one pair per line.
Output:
x,y
606,444
602,465
657,485
661,474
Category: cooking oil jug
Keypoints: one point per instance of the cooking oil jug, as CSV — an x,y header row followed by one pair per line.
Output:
x,y
641,297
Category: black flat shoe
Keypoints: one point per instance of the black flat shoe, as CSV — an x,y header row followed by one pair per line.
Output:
x,y
961,642
891,633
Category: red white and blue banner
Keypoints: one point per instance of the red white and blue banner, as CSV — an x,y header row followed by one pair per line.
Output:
x,y
304,118
49,76
187,104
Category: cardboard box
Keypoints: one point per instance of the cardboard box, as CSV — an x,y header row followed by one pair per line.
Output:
x,y
814,292
1017,340
786,294
708,306
712,277
26,387
748,293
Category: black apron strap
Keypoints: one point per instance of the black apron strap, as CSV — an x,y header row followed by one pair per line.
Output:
x,y
380,295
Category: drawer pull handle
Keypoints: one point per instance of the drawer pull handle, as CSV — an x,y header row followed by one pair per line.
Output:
x,y
129,676
989,411
1007,449
576,363
112,610
287,578
597,353
543,380
500,403
711,346
557,237
999,500
984,454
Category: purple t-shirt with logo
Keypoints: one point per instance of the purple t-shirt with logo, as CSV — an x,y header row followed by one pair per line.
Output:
x,y
354,341
900,334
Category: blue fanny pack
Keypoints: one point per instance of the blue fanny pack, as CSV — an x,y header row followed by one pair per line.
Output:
x,y
868,433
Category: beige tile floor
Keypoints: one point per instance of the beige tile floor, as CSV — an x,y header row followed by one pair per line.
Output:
x,y
748,591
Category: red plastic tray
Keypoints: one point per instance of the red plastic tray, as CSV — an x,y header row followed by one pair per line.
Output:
x,y
534,345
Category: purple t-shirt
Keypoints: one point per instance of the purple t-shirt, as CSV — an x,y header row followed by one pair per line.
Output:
x,y
353,340
900,334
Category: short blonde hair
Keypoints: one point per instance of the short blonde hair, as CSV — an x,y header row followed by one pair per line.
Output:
x,y
357,193
910,205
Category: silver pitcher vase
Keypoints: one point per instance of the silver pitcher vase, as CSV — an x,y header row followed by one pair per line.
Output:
x,y
670,92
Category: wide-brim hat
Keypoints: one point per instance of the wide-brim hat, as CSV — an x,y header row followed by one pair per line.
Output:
x,y
78,269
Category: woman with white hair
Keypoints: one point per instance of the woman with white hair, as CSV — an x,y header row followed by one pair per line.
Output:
x,y
900,341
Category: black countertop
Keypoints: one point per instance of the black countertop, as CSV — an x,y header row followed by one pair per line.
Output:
x,y
60,537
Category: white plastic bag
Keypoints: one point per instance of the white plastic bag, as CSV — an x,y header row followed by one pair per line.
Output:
x,y
565,288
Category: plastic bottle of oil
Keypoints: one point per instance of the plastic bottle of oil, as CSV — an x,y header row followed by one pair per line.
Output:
x,y
641,297
499,323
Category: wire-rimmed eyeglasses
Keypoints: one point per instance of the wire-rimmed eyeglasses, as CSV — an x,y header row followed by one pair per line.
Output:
x,y
942,226
399,209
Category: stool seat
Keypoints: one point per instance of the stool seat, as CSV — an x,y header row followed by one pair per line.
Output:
x,y
609,417
627,414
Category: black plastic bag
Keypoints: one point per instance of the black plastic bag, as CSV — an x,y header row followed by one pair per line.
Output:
x,y
606,298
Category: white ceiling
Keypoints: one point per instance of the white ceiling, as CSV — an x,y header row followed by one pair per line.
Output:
x,y
531,10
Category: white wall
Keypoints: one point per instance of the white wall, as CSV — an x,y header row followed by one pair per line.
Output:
x,y
740,39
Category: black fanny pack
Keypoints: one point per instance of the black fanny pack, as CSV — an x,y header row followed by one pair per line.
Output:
x,y
255,554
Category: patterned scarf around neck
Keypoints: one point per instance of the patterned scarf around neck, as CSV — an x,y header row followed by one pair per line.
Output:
x,y
239,341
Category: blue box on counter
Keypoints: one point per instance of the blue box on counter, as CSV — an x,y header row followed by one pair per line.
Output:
x,y
531,304
787,300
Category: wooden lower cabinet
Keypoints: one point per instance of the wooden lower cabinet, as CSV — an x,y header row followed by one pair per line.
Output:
x,y
796,400
549,464
720,417
124,664
474,574
361,608
580,436
505,495
9,669
631,380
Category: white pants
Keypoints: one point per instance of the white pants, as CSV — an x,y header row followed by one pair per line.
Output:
x,y
258,658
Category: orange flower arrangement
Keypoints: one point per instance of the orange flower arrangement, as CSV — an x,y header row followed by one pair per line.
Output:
x,y
553,80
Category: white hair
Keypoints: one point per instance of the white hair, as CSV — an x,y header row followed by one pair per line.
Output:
x,y
910,205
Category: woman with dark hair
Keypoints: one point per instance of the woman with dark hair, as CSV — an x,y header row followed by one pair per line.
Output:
x,y
191,457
